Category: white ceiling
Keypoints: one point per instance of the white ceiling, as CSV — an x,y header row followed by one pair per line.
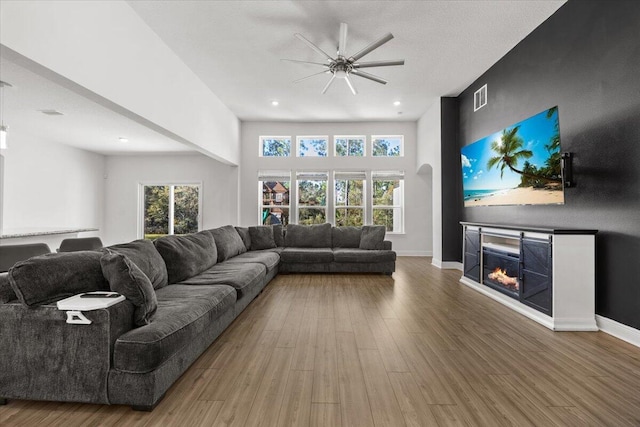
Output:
x,y
84,124
235,47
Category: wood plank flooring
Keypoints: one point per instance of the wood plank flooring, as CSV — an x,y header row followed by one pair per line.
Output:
x,y
415,349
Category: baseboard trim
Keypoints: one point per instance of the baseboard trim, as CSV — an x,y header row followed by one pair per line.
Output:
x,y
414,253
619,330
446,265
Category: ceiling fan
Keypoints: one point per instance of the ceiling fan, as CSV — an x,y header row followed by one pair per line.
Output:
x,y
343,66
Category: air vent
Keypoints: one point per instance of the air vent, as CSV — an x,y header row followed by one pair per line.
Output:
x,y
51,112
480,98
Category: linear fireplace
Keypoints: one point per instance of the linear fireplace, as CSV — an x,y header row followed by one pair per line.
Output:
x,y
501,268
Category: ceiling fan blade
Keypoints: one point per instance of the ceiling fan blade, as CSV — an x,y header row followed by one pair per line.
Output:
x,y
315,74
305,62
371,47
359,73
350,84
333,77
313,46
378,63
342,44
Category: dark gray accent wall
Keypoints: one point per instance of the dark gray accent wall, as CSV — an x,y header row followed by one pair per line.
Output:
x,y
451,181
585,59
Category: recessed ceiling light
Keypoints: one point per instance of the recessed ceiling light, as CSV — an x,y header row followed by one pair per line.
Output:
x,y
123,139
396,103
275,103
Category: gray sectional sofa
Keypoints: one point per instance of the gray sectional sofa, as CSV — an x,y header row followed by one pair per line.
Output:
x,y
182,292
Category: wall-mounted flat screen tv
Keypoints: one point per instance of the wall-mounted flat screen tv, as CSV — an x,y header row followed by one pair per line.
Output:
x,y
519,165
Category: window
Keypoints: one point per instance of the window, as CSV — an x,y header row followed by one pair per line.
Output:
x,y
170,209
312,146
349,146
275,146
388,200
274,200
387,146
349,198
312,197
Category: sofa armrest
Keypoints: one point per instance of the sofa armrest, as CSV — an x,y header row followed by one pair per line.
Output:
x,y
44,358
387,245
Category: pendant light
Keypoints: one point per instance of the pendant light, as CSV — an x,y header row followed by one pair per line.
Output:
x,y
3,127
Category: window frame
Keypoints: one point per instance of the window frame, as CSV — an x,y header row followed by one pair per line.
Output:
x,y
374,137
172,185
301,137
335,144
337,176
262,138
305,206
278,175
378,175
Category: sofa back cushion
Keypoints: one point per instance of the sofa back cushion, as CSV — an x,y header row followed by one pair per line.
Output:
x,y
308,236
346,237
262,237
188,255
127,279
6,291
228,242
51,277
278,235
144,255
243,232
372,237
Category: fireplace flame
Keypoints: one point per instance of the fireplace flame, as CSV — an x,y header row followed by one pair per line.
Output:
x,y
501,276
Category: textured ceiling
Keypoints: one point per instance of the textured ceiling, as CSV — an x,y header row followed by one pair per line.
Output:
x,y
235,47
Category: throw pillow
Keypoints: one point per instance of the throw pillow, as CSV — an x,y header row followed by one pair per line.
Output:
x,y
245,236
262,237
126,278
145,255
372,237
6,292
278,235
52,277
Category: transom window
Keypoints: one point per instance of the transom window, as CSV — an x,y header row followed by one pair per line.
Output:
x,y
349,146
274,197
170,209
388,200
312,197
349,198
313,146
387,146
275,146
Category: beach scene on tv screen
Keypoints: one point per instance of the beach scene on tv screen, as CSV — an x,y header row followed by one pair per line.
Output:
x,y
519,165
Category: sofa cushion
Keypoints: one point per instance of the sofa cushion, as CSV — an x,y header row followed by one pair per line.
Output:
x,y
242,276
6,291
243,232
262,238
51,277
268,258
363,255
278,235
127,279
346,237
228,242
185,256
144,254
372,237
307,255
184,312
308,236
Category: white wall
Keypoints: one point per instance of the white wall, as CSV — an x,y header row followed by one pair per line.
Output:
x,y
50,186
417,238
125,173
428,161
105,48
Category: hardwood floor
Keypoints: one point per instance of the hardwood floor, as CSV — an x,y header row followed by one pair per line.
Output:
x,y
415,349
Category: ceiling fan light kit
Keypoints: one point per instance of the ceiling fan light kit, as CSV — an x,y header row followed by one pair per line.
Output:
x,y
343,66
